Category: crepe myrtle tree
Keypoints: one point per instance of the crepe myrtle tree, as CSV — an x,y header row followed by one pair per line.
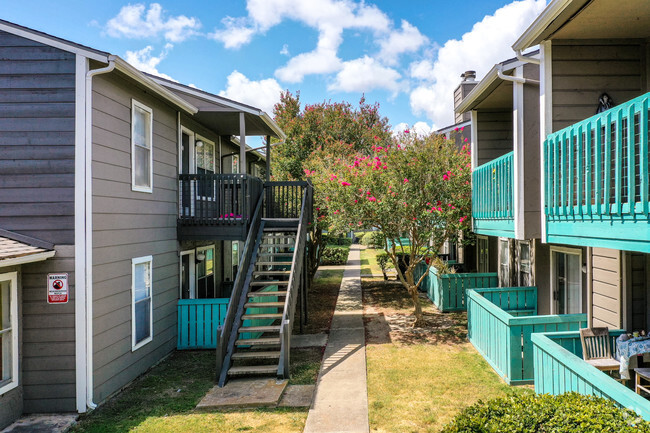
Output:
x,y
417,187
316,135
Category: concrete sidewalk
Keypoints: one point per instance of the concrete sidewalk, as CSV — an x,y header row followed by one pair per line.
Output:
x,y
341,400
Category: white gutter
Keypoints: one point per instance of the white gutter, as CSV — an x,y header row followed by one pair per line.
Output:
x,y
37,257
89,227
133,73
527,59
548,15
521,80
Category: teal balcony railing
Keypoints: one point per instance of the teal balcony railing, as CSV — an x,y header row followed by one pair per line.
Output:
x,y
597,190
493,197
559,368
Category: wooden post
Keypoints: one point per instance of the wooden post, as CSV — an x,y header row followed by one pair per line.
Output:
x,y
242,143
268,158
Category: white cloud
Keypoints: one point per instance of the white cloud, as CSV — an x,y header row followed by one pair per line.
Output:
x,y
365,74
285,50
419,128
235,34
136,21
407,40
145,61
263,94
328,17
487,43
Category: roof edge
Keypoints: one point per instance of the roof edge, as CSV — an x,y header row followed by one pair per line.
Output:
x,y
38,243
548,15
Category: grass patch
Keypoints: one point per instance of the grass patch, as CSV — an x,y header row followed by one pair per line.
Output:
x,y
321,301
369,263
305,363
163,400
419,379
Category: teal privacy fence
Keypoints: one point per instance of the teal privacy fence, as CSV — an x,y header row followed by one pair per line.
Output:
x,y
500,323
448,291
596,180
559,368
493,197
199,319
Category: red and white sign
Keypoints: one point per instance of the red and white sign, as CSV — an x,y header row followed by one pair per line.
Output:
x,y
57,288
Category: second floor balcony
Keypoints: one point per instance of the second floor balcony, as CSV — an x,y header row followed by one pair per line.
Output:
x,y
597,186
493,197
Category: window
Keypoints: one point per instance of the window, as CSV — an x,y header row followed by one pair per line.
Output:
x,y
504,263
8,332
482,250
205,161
141,148
141,309
525,275
205,273
235,164
566,280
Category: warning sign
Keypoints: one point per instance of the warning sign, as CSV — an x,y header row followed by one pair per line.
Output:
x,y
57,288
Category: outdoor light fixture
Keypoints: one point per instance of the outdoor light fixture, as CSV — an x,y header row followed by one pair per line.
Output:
x,y
198,143
200,257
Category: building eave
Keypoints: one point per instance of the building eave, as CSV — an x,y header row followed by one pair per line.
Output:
x,y
532,34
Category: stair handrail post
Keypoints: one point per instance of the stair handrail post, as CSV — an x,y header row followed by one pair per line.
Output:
x,y
238,286
290,300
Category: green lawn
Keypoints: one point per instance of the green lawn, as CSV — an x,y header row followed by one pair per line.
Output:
x,y
369,262
163,401
419,379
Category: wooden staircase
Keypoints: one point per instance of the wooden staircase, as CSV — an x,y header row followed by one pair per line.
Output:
x,y
265,304
255,338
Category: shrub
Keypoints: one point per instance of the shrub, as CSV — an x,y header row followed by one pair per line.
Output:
x,y
334,255
373,239
566,413
337,240
384,263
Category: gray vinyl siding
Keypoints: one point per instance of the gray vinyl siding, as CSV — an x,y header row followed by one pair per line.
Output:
x,y
494,134
583,70
126,225
606,284
37,106
48,338
11,402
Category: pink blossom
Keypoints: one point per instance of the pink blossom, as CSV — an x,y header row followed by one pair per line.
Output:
x,y
406,180
346,183
445,177
372,198
456,129
406,131
462,128
462,219
466,140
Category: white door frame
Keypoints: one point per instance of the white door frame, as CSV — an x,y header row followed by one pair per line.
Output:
x,y
565,250
192,271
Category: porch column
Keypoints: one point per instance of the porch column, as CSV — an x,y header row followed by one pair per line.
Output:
x,y
268,158
242,145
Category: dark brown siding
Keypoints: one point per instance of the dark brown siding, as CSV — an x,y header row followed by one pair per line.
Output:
x,y
37,104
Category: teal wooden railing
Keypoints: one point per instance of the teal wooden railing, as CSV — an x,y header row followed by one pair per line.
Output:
x,y
597,186
448,291
198,321
493,197
559,368
500,324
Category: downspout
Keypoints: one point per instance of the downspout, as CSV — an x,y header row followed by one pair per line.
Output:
x,y
89,228
521,80
523,58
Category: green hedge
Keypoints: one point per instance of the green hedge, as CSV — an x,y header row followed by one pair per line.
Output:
x,y
334,255
373,239
567,413
337,240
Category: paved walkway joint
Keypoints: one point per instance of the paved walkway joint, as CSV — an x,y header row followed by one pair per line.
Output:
x,y
341,401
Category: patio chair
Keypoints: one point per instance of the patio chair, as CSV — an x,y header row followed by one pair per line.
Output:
x,y
597,350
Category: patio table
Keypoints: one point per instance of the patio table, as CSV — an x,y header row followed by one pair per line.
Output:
x,y
626,349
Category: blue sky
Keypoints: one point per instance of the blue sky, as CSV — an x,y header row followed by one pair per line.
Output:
x,y
407,55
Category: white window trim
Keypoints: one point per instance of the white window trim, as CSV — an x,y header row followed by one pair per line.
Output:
x,y
192,255
12,277
136,261
519,261
143,107
199,137
566,250
478,251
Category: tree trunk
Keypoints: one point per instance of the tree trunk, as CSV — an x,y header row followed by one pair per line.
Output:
x,y
419,318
